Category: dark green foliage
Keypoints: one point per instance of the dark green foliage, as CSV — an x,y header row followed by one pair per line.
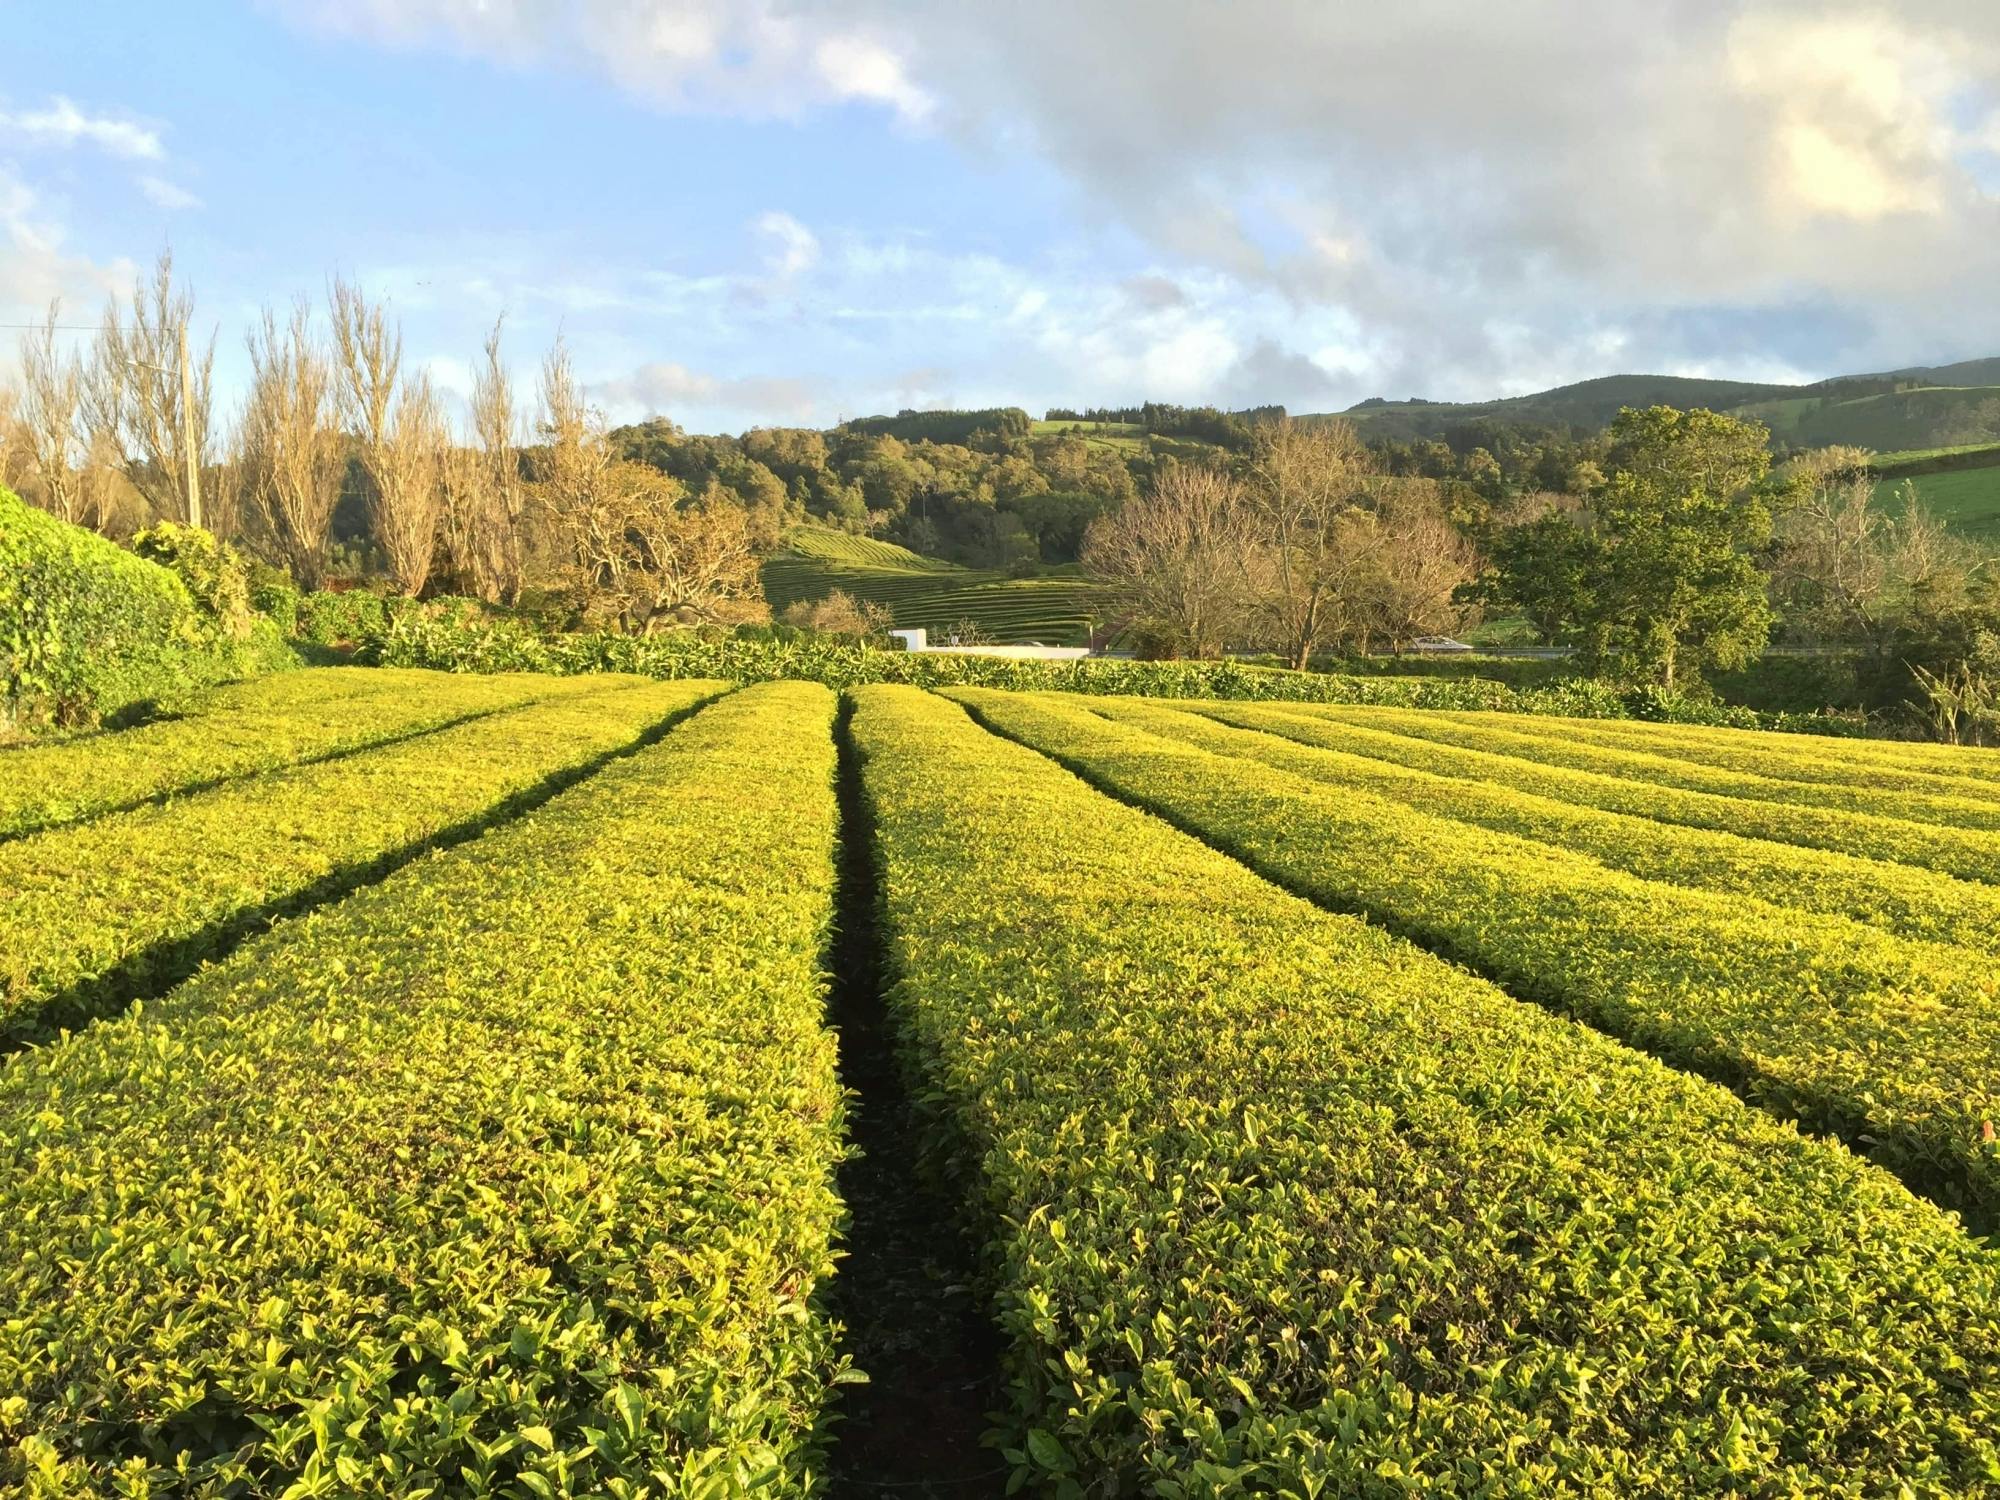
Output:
x,y
1587,404
1204,424
273,593
89,631
1655,581
1278,1205
469,643
511,1176
945,426
343,619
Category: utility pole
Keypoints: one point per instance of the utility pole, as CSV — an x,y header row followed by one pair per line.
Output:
x,y
188,451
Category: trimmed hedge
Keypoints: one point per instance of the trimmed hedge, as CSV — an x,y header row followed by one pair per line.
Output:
x,y
1851,1030
1972,854
93,914
458,640
510,1176
1956,770
1554,745
88,631
245,730
1276,1204
1918,904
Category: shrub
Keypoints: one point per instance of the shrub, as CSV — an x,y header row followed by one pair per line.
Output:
x,y
209,568
841,614
89,631
350,617
1460,750
1913,902
273,593
421,637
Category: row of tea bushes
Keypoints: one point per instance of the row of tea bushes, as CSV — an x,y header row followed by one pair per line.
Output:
x,y
95,913
259,725
1970,853
1916,903
1876,1038
509,1176
1957,761
1277,1204
1933,770
1556,747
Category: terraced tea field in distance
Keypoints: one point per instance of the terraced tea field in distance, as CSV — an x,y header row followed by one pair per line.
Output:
x,y
1057,608
532,1087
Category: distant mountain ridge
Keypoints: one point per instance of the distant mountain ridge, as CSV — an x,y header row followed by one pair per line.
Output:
x,y
1921,407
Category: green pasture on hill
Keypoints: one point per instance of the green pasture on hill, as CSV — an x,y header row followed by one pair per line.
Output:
x,y
1056,608
1966,500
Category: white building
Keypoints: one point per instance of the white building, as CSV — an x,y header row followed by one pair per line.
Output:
x,y
919,640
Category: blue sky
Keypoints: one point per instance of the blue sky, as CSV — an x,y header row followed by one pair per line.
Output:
x,y
759,212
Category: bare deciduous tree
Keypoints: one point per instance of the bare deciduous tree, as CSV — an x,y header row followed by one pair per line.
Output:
x,y
840,613
1185,561
1848,568
149,390
13,440
399,431
632,544
291,448
692,562
1422,561
577,501
1307,497
53,432
1305,493
491,514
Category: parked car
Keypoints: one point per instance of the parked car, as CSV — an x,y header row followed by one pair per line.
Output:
x,y
1438,643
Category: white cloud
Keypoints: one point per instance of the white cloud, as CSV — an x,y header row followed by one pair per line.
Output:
x,y
61,123
1429,197
664,387
168,195
1854,107
756,58
794,249
856,67
38,268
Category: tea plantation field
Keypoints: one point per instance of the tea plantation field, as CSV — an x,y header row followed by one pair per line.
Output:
x,y
417,1084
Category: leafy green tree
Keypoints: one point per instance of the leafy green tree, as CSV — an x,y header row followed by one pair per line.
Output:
x,y
1657,580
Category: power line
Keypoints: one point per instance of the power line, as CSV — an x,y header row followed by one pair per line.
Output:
x,y
59,327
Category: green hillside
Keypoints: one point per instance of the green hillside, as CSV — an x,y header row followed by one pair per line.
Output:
x,y
824,544
1929,408
1929,417
1587,404
1124,437
1966,500
1055,609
